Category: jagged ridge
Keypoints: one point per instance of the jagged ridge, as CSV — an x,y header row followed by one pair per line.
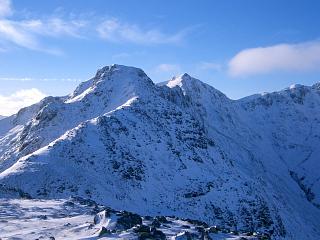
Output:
x,y
181,148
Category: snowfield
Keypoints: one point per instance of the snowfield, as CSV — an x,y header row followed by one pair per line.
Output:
x,y
180,148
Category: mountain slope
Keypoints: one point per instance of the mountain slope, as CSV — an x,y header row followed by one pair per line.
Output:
x,y
38,125
180,148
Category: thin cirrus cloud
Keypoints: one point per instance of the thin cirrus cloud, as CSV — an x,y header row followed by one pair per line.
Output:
x,y
114,30
283,57
12,103
55,27
5,8
27,33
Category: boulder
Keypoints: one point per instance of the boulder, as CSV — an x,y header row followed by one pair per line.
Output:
x,y
128,220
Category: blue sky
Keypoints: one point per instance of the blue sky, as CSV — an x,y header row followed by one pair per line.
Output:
x,y
239,47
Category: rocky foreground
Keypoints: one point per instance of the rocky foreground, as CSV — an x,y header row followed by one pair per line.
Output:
x,y
78,218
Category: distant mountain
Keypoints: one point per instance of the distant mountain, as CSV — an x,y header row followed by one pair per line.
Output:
x,y
178,148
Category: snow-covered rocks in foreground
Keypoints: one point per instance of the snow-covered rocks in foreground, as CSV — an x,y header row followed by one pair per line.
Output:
x,y
84,219
180,148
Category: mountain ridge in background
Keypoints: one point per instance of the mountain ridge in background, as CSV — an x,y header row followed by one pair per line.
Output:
x,y
177,148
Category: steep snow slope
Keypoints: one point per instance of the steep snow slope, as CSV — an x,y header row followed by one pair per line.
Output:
x,y
36,126
181,148
289,121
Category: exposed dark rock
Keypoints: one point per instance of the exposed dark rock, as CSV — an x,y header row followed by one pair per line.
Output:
x,y
214,229
148,218
196,222
162,219
103,231
142,228
187,236
156,223
128,220
157,234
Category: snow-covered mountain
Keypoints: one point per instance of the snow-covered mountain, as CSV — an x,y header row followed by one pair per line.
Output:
x,y
178,148
2,117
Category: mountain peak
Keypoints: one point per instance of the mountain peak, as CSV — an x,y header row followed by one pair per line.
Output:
x,y
186,76
180,80
115,78
194,87
122,70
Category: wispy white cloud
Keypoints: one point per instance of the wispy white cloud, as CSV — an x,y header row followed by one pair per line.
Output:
x,y
23,79
283,57
55,27
168,68
5,8
31,33
12,103
13,33
209,66
26,33
116,31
